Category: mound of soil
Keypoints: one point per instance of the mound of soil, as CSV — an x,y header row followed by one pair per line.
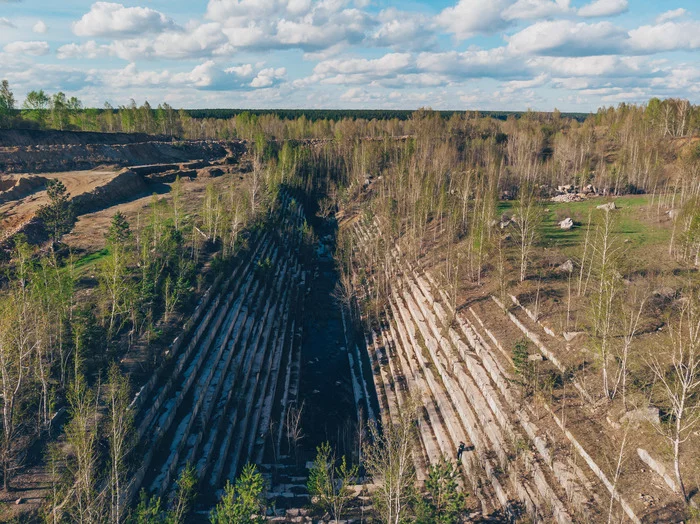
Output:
x,y
14,188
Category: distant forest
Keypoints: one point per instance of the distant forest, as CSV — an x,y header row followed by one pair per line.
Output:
x,y
40,110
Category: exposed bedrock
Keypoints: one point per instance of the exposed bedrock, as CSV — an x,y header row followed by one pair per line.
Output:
x,y
522,458
221,397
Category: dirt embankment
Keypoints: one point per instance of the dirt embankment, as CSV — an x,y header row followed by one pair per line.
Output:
x,y
69,157
125,186
14,187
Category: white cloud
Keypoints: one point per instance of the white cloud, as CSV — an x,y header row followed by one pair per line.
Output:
x,y
245,9
33,48
567,38
387,64
475,63
607,66
89,49
245,70
269,77
599,8
471,17
195,41
106,19
207,76
668,36
532,9
40,27
282,24
53,77
671,15
518,85
401,30
4,22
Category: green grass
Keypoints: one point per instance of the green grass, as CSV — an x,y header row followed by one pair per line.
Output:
x,y
632,223
92,258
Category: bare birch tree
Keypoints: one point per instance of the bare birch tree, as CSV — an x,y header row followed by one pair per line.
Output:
x,y
680,381
119,427
527,220
388,458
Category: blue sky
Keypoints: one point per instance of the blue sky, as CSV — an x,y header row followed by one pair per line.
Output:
x,y
574,55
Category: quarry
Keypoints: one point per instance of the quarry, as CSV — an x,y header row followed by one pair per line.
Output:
x,y
320,315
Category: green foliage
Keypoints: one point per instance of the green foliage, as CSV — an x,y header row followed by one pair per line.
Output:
x,y
7,104
445,503
58,215
243,503
523,366
184,496
148,511
330,480
119,231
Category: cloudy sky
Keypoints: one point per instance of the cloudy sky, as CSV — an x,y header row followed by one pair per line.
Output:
x,y
575,55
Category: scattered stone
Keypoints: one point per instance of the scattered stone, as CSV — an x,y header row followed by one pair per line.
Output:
x,y
658,468
648,499
610,206
568,197
566,224
566,267
570,335
637,416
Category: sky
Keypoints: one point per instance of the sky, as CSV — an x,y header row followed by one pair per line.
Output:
x,y
573,55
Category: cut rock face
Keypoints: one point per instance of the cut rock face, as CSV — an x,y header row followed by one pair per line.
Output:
x,y
566,267
566,224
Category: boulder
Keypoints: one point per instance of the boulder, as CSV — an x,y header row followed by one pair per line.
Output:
x,y
566,267
673,213
566,224
637,416
535,357
570,335
610,206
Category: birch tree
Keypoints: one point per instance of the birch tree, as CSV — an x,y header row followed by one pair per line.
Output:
x,y
119,428
527,220
17,344
388,459
679,381
606,251
114,274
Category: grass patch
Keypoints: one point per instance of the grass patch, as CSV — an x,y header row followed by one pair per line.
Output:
x,y
91,259
633,223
